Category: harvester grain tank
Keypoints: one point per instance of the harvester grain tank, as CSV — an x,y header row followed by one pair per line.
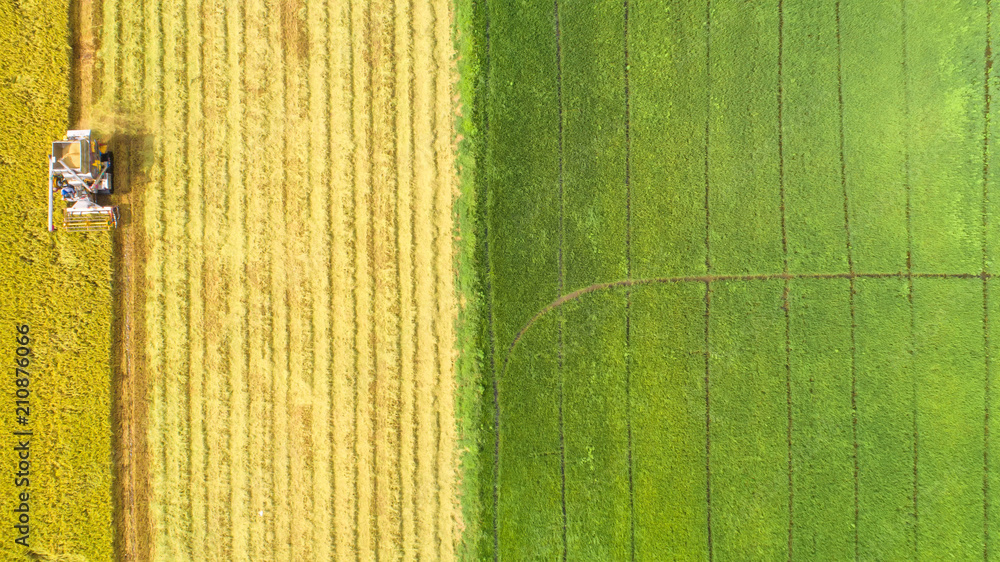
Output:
x,y
79,170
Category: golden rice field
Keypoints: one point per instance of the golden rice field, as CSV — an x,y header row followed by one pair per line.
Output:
x,y
285,344
55,322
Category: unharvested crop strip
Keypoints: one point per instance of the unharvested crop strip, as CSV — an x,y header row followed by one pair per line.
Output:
x,y
987,66
910,275
561,268
628,274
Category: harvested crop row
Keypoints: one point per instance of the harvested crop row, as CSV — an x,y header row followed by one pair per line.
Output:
x,y
277,287
425,507
259,373
319,202
297,193
344,504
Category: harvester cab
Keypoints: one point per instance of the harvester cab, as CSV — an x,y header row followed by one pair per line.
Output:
x,y
79,171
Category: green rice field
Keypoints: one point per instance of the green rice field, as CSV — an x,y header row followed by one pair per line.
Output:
x,y
741,269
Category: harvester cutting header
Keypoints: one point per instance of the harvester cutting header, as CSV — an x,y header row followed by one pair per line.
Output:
x,y
79,171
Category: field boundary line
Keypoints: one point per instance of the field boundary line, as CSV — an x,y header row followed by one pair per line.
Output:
x,y
491,332
561,267
787,288
628,270
988,64
850,267
909,271
708,282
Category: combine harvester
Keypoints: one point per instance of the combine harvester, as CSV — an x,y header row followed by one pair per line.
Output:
x,y
79,171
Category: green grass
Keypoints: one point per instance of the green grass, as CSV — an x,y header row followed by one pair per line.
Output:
x,y
875,127
630,455
744,202
668,78
884,373
530,449
598,521
749,421
822,417
948,363
814,195
668,420
946,135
